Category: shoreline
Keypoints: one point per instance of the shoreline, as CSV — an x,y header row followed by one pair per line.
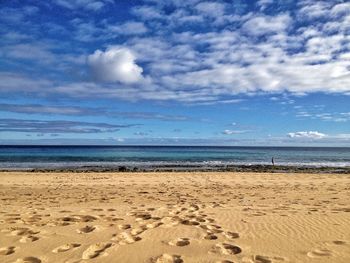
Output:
x,y
256,168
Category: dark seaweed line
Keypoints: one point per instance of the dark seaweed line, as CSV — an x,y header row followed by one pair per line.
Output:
x,y
190,168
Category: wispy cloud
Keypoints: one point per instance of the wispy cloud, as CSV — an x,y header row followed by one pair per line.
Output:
x,y
90,5
307,135
338,140
322,114
129,28
232,132
263,4
86,111
58,126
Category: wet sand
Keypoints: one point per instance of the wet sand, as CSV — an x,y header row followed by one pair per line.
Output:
x,y
174,217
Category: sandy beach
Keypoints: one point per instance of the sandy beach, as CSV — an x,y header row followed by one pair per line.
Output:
x,y
174,217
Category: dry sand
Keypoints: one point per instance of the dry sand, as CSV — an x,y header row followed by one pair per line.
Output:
x,y
174,217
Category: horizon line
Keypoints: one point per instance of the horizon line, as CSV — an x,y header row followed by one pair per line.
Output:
x,y
170,145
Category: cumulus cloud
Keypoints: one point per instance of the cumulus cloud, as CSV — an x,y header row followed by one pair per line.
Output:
x,y
307,135
116,64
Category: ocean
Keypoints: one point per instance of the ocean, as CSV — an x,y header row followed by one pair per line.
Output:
x,y
25,157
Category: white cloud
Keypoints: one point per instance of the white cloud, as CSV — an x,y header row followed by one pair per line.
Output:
x,y
147,12
91,5
211,8
116,64
263,4
231,132
130,28
341,9
263,25
38,52
307,135
12,82
314,9
317,114
345,136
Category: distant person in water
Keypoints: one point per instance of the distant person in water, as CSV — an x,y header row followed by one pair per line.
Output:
x,y
273,162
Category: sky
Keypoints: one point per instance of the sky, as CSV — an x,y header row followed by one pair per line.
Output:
x,y
121,72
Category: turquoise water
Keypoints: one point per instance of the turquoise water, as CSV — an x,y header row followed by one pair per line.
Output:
x,y
66,156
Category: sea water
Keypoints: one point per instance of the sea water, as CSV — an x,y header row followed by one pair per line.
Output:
x,y
141,156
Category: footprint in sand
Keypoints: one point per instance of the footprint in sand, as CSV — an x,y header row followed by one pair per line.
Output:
x,y
179,242
65,247
86,229
231,235
124,226
211,230
214,229
7,250
125,238
21,231
28,260
189,222
140,215
225,249
210,237
28,239
138,230
316,253
339,242
77,218
169,221
194,207
96,209
95,250
167,258
267,259
154,225
224,261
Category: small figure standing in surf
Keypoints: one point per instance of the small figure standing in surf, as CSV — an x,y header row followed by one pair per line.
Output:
x,y
273,162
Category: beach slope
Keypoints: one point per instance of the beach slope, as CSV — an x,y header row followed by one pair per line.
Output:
x,y
174,217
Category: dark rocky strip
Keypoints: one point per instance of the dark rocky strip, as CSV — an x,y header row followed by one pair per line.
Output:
x,y
190,168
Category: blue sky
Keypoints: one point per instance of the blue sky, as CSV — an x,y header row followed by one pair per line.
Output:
x,y
267,72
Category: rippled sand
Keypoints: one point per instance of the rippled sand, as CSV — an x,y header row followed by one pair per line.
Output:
x,y
174,217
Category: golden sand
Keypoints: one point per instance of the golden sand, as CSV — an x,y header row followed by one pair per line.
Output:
x,y
174,217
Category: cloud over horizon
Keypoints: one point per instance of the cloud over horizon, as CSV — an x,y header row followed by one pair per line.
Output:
x,y
307,134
